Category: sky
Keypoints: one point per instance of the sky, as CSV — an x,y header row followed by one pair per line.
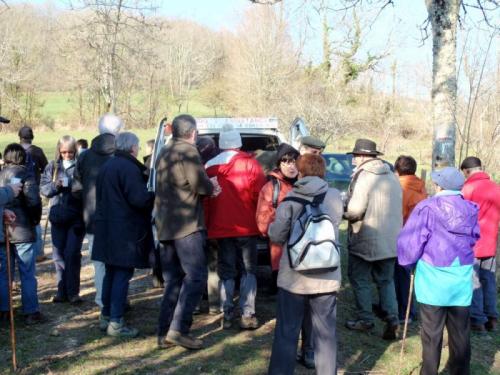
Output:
x,y
395,30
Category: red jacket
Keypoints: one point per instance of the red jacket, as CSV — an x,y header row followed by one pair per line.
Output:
x,y
232,212
266,212
479,189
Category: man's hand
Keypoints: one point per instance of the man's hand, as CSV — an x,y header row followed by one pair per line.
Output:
x,y
16,188
217,188
9,217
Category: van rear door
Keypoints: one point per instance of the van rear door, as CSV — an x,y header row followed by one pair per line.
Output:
x,y
298,129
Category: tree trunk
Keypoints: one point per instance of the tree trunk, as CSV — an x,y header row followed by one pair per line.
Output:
x,y
443,15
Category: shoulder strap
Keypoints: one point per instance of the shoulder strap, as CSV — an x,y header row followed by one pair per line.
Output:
x,y
276,191
298,200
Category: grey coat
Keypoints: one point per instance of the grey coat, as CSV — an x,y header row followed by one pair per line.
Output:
x,y
374,212
279,232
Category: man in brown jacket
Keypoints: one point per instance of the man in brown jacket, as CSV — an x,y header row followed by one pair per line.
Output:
x,y
374,212
181,182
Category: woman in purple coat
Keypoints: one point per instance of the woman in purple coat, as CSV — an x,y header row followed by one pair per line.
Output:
x,y
438,238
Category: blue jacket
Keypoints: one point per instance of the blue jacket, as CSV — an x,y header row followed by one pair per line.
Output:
x,y
123,234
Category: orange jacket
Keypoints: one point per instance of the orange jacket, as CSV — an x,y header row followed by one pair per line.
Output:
x,y
265,212
413,192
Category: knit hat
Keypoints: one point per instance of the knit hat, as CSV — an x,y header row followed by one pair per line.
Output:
x,y
285,149
448,178
229,138
110,123
470,162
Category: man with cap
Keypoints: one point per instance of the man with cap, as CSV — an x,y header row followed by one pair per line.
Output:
x,y
84,183
36,161
311,145
231,220
480,189
374,212
438,240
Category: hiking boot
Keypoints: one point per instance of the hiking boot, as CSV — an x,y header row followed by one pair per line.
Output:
x,y
306,358
359,325
478,328
249,322
163,343
103,322
59,299
75,300
391,329
119,329
227,322
185,340
491,324
35,318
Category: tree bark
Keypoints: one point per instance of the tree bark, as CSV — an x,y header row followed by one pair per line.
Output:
x,y
443,15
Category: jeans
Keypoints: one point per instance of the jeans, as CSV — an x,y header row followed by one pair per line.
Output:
x,y
289,318
402,287
67,256
230,251
99,271
457,321
114,291
184,265
361,273
484,297
25,255
39,250
213,282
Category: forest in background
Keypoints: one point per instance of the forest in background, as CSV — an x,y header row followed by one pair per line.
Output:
x,y
64,68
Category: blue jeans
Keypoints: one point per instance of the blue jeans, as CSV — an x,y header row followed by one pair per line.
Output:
x,y
67,256
484,297
231,251
99,271
38,241
25,256
114,291
184,266
289,317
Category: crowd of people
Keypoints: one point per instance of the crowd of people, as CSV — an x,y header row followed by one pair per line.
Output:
x,y
198,230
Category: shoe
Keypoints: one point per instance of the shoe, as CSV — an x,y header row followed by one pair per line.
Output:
x,y
478,328
307,359
163,343
59,299
249,322
212,310
391,330
491,325
103,322
359,325
75,300
34,318
227,323
119,329
185,340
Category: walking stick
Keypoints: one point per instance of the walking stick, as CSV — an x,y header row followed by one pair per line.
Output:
x,y
11,307
407,316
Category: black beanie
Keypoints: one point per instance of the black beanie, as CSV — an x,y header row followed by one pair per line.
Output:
x,y
285,149
470,162
206,147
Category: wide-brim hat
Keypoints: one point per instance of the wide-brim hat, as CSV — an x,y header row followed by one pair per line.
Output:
x,y
365,147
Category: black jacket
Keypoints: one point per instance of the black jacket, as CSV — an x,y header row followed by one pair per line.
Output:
x,y
64,207
27,205
39,159
123,233
85,176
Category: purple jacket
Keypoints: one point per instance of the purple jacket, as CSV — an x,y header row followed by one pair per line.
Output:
x,y
439,230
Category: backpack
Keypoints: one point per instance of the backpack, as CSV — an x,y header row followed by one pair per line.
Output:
x,y
312,245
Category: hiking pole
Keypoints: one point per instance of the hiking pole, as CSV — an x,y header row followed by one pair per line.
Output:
x,y
11,307
407,316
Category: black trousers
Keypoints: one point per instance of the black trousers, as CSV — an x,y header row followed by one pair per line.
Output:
x,y
457,321
289,317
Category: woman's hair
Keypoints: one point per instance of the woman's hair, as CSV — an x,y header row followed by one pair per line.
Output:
x,y
66,140
405,165
14,153
311,165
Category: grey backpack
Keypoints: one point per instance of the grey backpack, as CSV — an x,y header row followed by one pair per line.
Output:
x,y
312,245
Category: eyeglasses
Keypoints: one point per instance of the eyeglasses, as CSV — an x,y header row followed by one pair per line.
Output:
x,y
287,161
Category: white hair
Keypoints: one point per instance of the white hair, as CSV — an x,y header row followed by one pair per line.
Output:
x,y
110,123
126,141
